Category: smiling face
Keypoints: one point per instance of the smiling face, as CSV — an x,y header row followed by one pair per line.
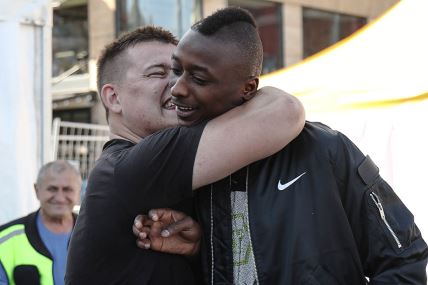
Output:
x,y
143,91
209,78
58,192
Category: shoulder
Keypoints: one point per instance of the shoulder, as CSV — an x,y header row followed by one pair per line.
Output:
x,y
336,145
19,221
316,135
178,132
319,131
177,138
322,134
12,223
115,147
112,152
321,140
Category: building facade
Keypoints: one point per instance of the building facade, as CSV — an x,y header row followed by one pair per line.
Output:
x,y
291,30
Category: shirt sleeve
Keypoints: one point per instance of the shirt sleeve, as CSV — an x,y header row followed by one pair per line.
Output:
x,y
157,172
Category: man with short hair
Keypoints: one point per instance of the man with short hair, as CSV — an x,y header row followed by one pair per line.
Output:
x,y
142,168
315,212
33,249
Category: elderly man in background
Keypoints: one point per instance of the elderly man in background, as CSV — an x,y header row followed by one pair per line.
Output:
x,y
33,249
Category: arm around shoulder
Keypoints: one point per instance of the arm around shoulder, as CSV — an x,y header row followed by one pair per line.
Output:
x,y
250,132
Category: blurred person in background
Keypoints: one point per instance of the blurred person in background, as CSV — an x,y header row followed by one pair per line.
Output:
x,y
33,249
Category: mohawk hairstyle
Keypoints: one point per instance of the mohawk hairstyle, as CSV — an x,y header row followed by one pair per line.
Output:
x,y
236,26
109,67
224,17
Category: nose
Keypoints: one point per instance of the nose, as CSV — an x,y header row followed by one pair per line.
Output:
x,y
178,86
61,196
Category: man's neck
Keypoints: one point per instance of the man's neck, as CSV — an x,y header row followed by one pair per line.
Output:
x,y
58,225
131,138
119,131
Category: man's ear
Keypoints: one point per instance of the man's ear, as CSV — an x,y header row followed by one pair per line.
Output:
x,y
110,98
250,88
36,191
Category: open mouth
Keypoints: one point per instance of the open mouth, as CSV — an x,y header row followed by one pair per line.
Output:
x,y
168,105
183,108
184,111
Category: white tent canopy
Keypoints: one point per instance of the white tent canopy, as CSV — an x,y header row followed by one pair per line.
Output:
x,y
25,27
373,86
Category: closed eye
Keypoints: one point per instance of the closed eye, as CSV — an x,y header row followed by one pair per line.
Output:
x,y
159,74
198,80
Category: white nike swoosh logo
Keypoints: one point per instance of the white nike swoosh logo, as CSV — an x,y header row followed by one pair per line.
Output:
x,y
286,185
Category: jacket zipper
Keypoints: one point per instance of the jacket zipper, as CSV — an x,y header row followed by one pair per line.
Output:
x,y
379,206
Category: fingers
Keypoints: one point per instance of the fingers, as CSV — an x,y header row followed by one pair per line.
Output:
x,y
166,225
142,220
166,215
143,243
138,225
141,226
186,224
175,222
136,231
138,221
149,237
163,214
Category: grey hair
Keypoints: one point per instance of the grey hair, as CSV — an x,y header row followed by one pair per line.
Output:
x,y
57,166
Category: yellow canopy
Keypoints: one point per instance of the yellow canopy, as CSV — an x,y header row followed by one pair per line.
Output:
x,y
385,63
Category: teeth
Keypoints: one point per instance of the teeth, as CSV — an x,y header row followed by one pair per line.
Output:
x,y
169,105
181,108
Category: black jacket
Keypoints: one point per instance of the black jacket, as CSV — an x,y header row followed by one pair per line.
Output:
x,y
339,223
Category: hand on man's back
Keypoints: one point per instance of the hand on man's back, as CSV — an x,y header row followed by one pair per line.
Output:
x,y
167,230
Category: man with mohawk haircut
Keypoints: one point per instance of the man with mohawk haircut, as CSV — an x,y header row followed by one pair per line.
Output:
x,y
316,212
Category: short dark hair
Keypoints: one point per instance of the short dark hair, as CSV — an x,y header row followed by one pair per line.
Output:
x,y
238,26
108,67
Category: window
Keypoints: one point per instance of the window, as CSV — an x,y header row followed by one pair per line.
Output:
x,y
174,15
70,38
269,20
321,29
73,115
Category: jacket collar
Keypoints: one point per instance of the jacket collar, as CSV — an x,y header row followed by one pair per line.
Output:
x,y
33,233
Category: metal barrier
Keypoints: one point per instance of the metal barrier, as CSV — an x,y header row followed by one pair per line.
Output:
x,y
78,142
